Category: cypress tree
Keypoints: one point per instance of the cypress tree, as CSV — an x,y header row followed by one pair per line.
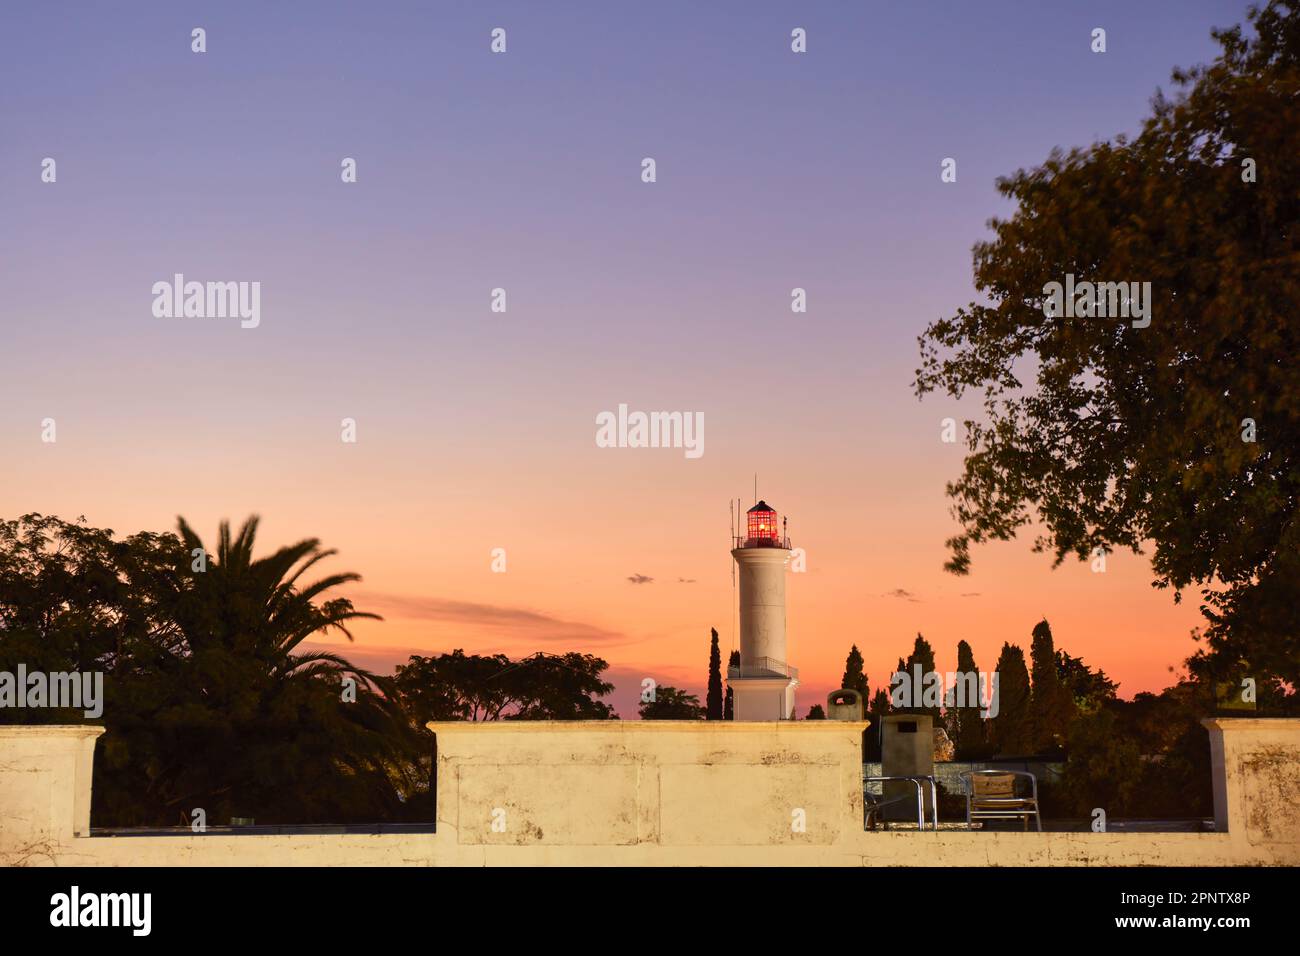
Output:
x,y
1052,705
879,708
969,725
923,654
713,699
729,702
1012,726
854,677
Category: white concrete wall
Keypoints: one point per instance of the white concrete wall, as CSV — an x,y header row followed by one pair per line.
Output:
x,y
756,698
653,793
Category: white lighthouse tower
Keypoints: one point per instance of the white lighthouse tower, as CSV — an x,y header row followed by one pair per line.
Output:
x,y
763,685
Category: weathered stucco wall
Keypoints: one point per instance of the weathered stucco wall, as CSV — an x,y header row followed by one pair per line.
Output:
x,y
653,793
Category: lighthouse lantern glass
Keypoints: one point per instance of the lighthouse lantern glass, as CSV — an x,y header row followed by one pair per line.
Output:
x,y
762,525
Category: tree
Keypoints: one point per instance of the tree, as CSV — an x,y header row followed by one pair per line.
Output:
x,y
210,702
455,686
922,654
560,687
878,709
460,686
729,702
1011,729
854,677
73,597
1052,705
244,722
1088,688
967,726
713,699
671,704
1144,757
1185,433
879,706
1104,769
816,712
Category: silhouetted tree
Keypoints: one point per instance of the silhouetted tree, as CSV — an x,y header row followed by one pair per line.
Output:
x,y
922,654
966,727
210,700
671,704
1012,731
1186,433
816,712
460,686
713,700
729,702
1088,688
877,709
854,677
1051,704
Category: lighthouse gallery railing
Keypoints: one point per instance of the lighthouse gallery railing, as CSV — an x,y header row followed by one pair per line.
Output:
x,y
763,667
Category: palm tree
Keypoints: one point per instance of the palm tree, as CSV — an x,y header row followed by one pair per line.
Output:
x,y
256,607
248,724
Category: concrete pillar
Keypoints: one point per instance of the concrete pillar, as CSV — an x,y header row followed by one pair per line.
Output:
x,y
45,774
1255,763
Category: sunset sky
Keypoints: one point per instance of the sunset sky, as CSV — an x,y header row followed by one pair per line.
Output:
x,y
522,171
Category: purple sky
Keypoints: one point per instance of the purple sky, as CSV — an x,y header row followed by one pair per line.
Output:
x,y
775,170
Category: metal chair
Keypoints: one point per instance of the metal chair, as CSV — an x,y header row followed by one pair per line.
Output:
x,y
871,807
991,795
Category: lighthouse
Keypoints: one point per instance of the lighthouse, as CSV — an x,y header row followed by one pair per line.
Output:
x,y
763,685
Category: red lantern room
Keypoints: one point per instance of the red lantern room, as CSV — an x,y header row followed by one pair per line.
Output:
x,y
763,529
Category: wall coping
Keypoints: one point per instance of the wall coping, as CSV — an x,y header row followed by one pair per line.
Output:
x,y
1250,723
826,727
91,731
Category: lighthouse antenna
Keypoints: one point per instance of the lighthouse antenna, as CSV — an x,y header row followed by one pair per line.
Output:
x,y
732,515
735,596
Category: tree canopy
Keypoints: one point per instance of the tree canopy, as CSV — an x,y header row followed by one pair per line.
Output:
x,y
210,702
460,686
671,703
1184,433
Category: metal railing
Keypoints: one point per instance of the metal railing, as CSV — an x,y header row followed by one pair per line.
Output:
x,y
739,541
763,667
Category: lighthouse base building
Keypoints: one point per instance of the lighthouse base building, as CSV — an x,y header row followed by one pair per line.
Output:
x,y
763,684
762,697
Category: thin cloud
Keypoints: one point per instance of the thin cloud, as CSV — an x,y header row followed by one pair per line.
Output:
x,y
640,579
508,623
901,594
